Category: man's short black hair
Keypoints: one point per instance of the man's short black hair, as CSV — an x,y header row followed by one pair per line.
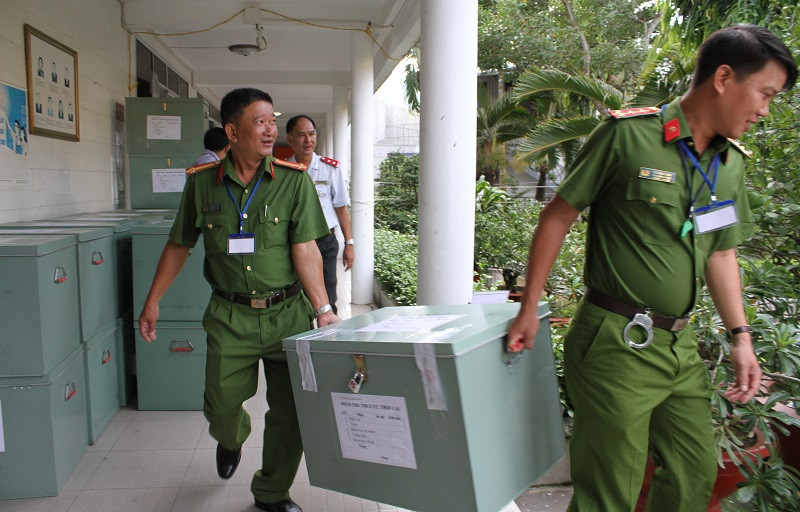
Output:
x,y
290,124
215,139
746,49
234,103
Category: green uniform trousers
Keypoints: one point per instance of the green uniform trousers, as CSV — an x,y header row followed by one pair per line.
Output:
x,y
238,338
628,401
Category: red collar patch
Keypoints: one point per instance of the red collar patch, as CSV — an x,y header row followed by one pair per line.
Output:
x,y
672,130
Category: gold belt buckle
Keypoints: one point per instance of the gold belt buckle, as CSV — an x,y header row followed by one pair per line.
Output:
x,y
258,303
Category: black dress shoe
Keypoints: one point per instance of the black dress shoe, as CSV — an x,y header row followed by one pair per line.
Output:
x,y
281,506
227,461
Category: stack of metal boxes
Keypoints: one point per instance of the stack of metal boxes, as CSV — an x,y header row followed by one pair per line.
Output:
x,y
43,412
98,312
114,305
170,370
421,407
164,136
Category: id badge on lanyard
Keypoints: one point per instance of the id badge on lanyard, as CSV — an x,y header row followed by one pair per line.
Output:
x,y
717,215
242,243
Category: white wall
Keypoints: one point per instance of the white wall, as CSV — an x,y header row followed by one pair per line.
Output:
x,y
60,177
396,128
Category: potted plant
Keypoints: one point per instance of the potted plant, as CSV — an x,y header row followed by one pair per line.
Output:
x,y
748,455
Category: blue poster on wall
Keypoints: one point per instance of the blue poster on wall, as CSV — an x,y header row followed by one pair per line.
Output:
x,y
13,121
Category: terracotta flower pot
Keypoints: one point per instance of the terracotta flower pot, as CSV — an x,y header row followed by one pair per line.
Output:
x,y
725,484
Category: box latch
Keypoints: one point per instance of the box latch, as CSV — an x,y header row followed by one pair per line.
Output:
x,y
360,377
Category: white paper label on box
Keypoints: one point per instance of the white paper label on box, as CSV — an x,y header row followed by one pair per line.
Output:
x,y
164,127
374,428
420,323
168,180
2,437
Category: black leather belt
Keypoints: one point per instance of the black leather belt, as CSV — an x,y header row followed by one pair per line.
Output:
x,y
628,310
266,302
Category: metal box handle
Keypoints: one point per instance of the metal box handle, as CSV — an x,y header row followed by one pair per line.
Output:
x,y
60,275
70,390
181,346
106,357
97,258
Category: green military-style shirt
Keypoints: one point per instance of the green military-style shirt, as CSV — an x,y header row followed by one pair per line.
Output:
x,y
284,211
631,173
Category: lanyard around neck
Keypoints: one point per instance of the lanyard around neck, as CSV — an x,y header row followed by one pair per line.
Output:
x,y
710,178
243,211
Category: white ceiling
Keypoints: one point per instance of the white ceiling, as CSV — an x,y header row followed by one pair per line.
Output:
x,y
304,58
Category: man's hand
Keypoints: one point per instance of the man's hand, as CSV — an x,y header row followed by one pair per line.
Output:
x,y
147,322
522,332
746,370
348,257
327,318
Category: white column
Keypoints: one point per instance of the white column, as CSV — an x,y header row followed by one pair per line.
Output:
x,y
341,134
362,182
449,49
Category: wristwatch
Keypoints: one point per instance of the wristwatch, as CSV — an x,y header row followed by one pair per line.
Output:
x,y
349,241
738,330
321,311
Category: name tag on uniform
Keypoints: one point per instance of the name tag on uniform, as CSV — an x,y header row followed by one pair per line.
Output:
x,y
242,243
715,216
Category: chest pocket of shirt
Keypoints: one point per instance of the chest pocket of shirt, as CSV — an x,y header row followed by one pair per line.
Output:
x,y
654,209
323,190
272,228
215,232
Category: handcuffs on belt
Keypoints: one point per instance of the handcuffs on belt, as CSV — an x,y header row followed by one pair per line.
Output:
x,y
645,322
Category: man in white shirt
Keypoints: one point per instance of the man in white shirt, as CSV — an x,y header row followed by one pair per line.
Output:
x,y
301,135
216,143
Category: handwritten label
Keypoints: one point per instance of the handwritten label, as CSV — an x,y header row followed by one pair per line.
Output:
x,y
374,428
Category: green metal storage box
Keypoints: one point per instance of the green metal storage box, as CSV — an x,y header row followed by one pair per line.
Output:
x,y
38,302
170,371
97,278
164,136
187,298
151,125
44,429
443,420
121,261
100,361
158,181
126,360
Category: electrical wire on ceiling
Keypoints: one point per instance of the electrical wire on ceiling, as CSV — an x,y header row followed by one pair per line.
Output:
x,y
367,31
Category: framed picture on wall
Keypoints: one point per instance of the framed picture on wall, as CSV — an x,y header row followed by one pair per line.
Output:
x,y
52,86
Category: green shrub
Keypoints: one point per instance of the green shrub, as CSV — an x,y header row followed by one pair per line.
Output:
x,y
396,265
397,192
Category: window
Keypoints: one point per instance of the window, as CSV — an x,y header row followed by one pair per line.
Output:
x,y
147,64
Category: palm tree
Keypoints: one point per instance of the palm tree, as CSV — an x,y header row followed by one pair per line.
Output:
x,y
566,106
498,122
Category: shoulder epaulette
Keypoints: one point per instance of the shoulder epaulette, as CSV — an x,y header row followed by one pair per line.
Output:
x,y
202,167
633,112
738,145
291,165
329,161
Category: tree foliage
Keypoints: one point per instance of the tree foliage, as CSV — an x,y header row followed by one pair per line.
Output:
x,y
397,192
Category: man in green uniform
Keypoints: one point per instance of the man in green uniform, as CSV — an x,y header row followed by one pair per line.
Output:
x,y
668,207
259,218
